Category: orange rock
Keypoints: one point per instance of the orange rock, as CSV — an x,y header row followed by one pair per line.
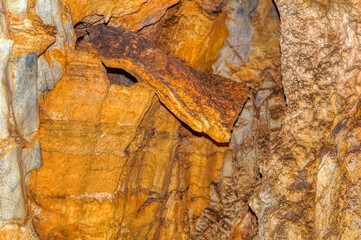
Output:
x,y
87,190
149,13
195,97
91,108
188,32
30,36
13,231
108,9
88,187
132,14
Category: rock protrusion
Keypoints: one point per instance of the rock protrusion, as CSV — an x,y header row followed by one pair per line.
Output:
x,y
207,103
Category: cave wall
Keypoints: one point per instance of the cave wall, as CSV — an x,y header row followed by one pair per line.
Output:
x,y
309,183
112,162
26,32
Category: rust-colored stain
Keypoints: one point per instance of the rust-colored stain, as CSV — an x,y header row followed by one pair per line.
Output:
x,y
207,103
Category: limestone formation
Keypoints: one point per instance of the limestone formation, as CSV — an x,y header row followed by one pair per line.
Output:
x,y
194,97
309,182
88,151
23,37
130,14
186,31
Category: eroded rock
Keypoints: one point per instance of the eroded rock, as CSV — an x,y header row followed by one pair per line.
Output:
x,y
307,191
190,33
207,103
130,14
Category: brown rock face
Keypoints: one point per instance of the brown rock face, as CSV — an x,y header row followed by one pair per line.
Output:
x,y
113,154
114,163
211,6
309,184
207,103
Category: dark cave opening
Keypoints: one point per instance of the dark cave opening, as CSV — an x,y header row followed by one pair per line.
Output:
x,y
118,76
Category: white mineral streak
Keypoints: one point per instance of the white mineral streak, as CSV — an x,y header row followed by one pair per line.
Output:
x,y
5,47
20,81
238,46
50,12
31,159
12,204
3,25
14,166
17,8
45,78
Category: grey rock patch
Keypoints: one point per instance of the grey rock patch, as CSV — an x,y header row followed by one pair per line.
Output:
x,y
45,78
24,99
12,203
32,159
262,95
56,71
238,46
49,12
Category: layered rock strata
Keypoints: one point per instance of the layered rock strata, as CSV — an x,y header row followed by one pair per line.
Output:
x,y
146,167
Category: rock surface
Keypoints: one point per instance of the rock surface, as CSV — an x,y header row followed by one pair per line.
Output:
x,y
228,215
194,97
23,37
132,151
187,30
308,189
119,165
131,14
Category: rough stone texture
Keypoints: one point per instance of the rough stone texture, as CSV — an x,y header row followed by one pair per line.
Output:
x,y
187,30
112,113
309,182
228,215
19,148
195,97
114,154
30,36
24,95
211,6
5,46
238,46
119,165
23,36
13,231
149,13
55,14
130,14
